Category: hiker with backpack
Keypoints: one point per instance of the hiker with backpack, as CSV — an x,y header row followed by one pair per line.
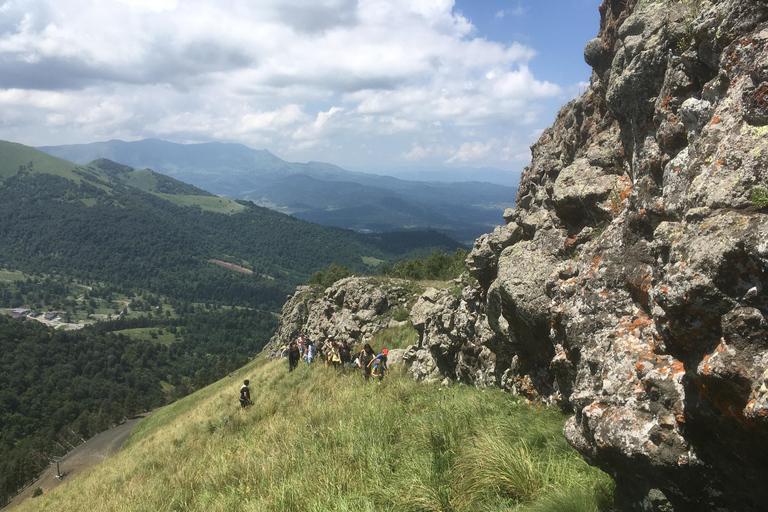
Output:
x,y
245,395
334,357
363,359
345,354
380,368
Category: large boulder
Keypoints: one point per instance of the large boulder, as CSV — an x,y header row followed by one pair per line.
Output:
x,y
352,309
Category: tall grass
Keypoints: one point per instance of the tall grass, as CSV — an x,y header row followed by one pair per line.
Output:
x,y
401,336
319,440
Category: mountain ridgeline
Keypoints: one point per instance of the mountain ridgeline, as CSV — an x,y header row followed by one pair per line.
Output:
x,y
136,228
318,192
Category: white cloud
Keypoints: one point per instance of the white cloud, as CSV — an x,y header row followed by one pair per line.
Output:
x,y
420,153
514,11
272,120
404,76
310,134
471,151
151,5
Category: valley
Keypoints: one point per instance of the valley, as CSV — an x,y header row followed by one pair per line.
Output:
x,y
127,289
315,191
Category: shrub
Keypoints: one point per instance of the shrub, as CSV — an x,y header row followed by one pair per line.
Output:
x,y
400,315
437,266
325,278
759,197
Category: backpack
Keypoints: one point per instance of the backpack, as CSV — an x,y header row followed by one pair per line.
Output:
x,y
379,364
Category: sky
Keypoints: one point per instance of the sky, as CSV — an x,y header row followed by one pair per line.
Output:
x,y
370,85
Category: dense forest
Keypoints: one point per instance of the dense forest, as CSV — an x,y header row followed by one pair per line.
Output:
x,y
50,224
59,387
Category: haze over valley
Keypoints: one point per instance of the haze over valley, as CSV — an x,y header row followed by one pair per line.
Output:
x,y
317,192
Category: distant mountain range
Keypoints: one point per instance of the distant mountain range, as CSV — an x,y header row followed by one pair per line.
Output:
x,y
451,174
317,192
141,229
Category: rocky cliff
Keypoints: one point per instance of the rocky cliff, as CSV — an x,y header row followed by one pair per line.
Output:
x,y
353,309
627,285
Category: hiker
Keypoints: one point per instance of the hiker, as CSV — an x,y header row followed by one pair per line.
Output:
x,y
345,354
293,355
366,356
245,395
311,352
380,368
334,358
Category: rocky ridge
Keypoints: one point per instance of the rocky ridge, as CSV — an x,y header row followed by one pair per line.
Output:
x,y
628,284
352,309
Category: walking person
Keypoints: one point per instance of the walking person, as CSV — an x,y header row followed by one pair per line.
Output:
x,y
293,355
380,368
363,359
245,395
311,352
345,354
334,357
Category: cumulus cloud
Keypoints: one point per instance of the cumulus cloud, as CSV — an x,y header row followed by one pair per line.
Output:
x,y
513,11
404,76
470,151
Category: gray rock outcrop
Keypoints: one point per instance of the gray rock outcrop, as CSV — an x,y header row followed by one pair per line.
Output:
x,y
627,285
353,309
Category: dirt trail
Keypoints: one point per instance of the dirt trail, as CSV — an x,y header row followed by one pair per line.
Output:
x,y
84,457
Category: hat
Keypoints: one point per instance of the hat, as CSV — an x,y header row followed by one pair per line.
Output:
x,y
384,351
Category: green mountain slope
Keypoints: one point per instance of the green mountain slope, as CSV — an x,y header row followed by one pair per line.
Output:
x,y
195,281
59,387
319,440
140,229
359,201
14,157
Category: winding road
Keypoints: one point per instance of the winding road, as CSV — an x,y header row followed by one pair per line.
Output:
x,y
85,456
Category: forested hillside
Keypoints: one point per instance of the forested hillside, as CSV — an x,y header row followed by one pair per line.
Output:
x,y
176,288
59,387
91,223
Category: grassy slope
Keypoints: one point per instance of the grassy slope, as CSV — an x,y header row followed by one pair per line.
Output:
x,y
316,440
15,155
207,203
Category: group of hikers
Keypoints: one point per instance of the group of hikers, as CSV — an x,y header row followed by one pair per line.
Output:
x,y
338,355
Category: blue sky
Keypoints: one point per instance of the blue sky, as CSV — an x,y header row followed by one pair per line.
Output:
x,y
556,29
365,84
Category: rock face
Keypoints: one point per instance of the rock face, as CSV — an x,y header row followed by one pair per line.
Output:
x,y
353,309
628,285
